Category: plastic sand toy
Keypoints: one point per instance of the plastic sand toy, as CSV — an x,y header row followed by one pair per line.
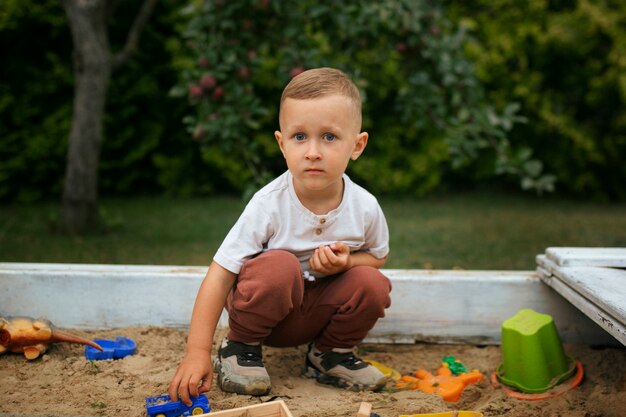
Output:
x,y
387,371
447,414
534,365
456,367
551,393
33,336
111,349
365,410
161,406
444,383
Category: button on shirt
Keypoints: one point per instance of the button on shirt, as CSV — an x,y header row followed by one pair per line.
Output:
x,y
276,219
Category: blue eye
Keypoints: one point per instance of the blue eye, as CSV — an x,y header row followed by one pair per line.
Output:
x,y
329,137
299,137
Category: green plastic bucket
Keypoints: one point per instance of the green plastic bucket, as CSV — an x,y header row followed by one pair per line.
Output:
x,y
533,359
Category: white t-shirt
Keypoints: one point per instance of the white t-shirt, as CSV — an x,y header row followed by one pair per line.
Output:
x,y
276,219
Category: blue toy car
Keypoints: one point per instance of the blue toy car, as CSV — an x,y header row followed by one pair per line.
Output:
x,y
161,406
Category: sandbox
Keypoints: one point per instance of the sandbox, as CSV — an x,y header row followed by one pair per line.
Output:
x,y
435,314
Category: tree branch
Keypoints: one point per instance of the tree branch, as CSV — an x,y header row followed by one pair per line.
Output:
x,y
132,42
111,7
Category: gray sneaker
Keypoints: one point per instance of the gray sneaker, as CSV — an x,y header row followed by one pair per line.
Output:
x,y
341,368
239,368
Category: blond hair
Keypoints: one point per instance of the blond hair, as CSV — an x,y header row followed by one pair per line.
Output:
x,y
321,82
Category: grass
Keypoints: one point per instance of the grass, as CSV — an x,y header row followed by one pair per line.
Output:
x,y
468,231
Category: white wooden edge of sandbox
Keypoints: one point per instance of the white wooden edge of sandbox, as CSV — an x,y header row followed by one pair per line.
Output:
x,y
437,306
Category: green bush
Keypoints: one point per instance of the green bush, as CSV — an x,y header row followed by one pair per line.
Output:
x,y
424,108
445,89
143,127
563,61
35,114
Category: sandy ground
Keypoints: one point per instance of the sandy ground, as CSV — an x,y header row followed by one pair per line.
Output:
x,y
64,383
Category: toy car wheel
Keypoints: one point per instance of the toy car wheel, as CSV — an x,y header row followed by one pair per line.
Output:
x,y
160,415
197,411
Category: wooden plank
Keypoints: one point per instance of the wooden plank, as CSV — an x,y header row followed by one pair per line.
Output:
x,y
365,409
87,296
429,306
448,306
271,409
543,272
606,257
604,287
600,293
612,325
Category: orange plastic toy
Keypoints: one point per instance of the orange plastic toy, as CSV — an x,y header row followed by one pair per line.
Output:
x,y
448,386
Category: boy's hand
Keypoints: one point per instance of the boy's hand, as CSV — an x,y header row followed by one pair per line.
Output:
x,y
193,376
331,259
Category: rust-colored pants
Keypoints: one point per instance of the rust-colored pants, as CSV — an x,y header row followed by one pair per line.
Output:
x,y
272,304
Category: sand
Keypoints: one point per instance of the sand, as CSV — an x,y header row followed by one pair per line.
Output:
x,y
64,383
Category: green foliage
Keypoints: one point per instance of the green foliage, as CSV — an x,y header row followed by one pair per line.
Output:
x,y
563,61
142,123
145,148
444,87
424,108
33,136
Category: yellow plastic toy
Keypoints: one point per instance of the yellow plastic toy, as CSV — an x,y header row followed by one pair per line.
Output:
x,y
447,414
387,371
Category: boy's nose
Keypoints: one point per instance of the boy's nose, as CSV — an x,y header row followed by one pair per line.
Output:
x,y
313,151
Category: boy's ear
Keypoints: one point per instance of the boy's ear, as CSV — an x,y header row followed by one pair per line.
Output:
x,y
359,145
279,139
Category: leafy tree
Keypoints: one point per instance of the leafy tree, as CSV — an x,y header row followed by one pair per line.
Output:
x,y
144,149
424,107
93,66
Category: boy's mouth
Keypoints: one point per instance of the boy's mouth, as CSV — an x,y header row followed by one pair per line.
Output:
x,y
313,171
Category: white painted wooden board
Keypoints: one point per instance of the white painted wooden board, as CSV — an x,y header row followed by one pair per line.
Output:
x,y
600,293
431,306
447,306
100,296
611,324
608,257
605,287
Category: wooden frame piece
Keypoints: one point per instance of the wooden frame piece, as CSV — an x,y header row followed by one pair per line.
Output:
x,y
270,409
434,306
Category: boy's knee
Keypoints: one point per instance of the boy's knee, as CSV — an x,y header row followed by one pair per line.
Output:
x,y
274,270
372,277
374,284
281,257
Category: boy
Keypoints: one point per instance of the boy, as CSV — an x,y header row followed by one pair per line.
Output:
x,y
301,265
